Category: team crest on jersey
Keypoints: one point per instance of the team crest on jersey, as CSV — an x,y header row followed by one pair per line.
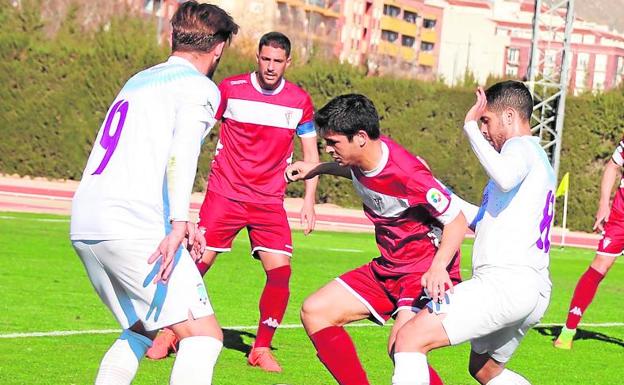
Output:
x,y
437,199
201,291
288,115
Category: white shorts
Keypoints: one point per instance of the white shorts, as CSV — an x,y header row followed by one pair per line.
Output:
x,y
494,310
123,279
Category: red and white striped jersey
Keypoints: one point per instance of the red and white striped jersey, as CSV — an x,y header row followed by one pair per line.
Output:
x,y
256,139
408,207
617,208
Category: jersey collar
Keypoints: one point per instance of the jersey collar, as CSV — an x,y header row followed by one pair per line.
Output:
x,y
182,61
385,154
256,85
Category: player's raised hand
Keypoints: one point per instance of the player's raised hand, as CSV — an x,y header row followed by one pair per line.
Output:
x,y
436,281
476,111
602,216
167,249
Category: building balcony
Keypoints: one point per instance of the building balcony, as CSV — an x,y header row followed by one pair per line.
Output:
x,y
426,59
314,6
428,35
407,54
398,25
387,48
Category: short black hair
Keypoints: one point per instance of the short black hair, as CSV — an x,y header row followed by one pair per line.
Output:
x,y
348,114
510,94
276,40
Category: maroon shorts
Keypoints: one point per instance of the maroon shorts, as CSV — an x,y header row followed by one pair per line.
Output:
x,y
267,224
612,242
384,297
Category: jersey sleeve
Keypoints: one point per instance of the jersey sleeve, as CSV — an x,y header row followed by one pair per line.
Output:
x,y
423,189
618,154
223,88
195,116
509,167
305,128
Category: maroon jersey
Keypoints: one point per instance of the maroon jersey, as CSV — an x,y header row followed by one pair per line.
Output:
x,y
408,207
256,139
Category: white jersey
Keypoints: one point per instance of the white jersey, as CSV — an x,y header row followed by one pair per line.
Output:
x,y
514,220
142,166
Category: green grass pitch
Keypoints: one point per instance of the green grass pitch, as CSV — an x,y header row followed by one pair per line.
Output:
x,y
44,288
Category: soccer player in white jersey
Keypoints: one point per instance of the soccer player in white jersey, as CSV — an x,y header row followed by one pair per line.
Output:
x,y
510,287
130,214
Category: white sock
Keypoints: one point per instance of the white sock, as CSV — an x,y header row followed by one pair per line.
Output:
x,y
195,361
507,377
121,361
410,368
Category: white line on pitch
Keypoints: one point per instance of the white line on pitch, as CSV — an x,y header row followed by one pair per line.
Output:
x,y
62,333
347,250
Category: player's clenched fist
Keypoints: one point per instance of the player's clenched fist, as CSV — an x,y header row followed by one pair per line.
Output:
x,y
299,171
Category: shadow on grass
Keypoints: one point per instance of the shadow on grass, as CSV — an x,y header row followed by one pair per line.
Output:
x,y
581,334
233,339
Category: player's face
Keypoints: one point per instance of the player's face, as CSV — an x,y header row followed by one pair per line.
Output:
x,y
493,129
342,151
272,63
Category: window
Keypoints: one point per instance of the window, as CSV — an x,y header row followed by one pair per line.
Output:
x,y
410,17
390,36
391,10
513,54
601,63
407,41
426,46
429,23
599,81
619,76
511,71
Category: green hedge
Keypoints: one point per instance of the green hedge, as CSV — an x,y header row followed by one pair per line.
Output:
x,y
56,92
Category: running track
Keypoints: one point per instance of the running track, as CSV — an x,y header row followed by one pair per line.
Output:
x,y
14,197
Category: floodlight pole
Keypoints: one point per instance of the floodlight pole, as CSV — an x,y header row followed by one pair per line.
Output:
x,y
548,84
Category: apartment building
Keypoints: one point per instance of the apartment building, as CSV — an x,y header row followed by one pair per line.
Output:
x,y
487,38
597,60
410,38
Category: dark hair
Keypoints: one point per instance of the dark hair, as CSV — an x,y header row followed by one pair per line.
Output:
x,y
348,114
276,40
200,27
510,94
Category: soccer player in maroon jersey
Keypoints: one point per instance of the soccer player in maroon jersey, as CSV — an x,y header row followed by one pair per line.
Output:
x,y
261,112
609,221
415,218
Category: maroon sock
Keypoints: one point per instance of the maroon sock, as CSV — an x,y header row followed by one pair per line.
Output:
x,y
583,296
336,351
434,379
202,267
273,303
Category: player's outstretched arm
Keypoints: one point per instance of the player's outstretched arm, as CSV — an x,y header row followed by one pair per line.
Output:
x,y
306,170
609,176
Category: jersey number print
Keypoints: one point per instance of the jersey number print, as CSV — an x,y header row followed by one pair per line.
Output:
x,y
108,141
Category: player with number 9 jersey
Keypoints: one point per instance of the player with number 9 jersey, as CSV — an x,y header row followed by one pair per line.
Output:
x,y
124,193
